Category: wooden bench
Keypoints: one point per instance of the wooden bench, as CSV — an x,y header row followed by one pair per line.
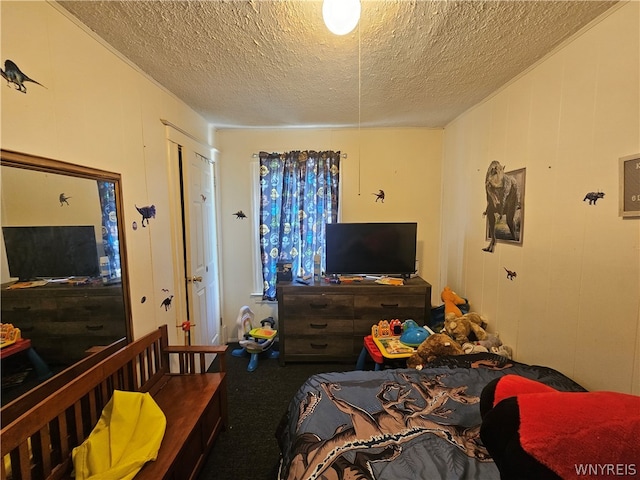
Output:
x,y
37,443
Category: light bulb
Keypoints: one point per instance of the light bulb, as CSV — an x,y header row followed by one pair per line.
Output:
x,y
341,16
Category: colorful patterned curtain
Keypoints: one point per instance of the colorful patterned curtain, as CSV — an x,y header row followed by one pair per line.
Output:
x,y
106,191
298,197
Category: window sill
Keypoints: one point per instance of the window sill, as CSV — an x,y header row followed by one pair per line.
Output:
x,y
259,295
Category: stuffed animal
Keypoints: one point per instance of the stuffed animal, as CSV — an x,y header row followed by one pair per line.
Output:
x,y
491,341
460,328
491,344
435,345
503,350
451,301
473,348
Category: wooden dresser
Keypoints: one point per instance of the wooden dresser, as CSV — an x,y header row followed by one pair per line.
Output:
x,y
324,322
63,321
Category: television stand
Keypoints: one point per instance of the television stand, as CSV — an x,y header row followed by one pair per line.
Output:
x,y
328,322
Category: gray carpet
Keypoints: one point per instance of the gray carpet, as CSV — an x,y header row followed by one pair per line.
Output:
x,y
248,449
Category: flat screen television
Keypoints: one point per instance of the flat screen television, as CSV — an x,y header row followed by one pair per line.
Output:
x,y
51,251
371,248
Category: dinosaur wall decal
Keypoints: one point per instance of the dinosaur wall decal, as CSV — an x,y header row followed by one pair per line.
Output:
x,y
379,195
12,74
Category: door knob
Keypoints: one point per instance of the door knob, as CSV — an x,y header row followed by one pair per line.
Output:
x,y
195,279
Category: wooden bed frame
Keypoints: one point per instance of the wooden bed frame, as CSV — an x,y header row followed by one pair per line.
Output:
x,y
38,437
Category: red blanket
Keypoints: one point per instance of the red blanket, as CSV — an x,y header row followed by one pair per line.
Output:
x,y
577,434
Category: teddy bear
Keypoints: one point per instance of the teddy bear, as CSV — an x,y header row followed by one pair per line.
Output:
x,y
451,301
461,327
435,345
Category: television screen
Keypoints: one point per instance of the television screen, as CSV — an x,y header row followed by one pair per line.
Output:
x,y
51,252
371,248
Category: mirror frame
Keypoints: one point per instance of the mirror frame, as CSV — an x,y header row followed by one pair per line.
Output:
x,y
11,158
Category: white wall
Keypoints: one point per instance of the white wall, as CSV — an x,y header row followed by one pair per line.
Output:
x,y
41,206
96,110
405,163
575,304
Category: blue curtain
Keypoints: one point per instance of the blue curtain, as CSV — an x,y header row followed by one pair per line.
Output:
x,y
107,194
298,197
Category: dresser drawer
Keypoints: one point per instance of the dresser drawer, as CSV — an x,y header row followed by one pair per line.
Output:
x,y
318,326
320,345
17,310
96,309
319,305
388,302
385,307
86,328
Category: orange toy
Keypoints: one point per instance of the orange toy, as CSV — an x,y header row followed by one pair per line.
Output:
x,y
451,301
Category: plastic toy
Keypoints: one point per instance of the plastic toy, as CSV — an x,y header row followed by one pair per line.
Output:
x,y
9,334
254,340
413,334
385,328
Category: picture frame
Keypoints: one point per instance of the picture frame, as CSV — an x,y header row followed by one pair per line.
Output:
x,y
502,232
629,196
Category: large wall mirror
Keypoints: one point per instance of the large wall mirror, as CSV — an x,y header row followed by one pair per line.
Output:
x,y
63,268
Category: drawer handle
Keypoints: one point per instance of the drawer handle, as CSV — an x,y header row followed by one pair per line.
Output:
x,y
21,309
319,345
389,305
318,305
94,328
318,325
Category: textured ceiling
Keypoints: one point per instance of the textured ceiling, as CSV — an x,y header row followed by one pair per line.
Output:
x,y
268,63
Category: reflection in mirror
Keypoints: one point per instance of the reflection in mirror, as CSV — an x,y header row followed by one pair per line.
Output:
x,y
64,288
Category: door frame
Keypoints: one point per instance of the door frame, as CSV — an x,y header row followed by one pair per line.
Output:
x,y
178,255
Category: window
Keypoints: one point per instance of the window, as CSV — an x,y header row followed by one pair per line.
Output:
x,y
299,194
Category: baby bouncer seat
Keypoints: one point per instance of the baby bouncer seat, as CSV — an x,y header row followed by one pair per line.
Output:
x,y
254,340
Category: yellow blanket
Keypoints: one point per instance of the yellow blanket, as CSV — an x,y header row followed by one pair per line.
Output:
x,y
128,435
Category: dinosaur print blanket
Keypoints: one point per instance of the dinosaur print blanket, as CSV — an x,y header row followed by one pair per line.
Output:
x,y
397,424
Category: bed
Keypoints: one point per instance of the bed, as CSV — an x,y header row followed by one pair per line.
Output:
x,y
397,424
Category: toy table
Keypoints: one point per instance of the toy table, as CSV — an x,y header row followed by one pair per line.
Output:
x,y
15,347
22,345
392,347
380,348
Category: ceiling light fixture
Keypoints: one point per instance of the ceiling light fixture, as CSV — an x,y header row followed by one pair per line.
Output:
x,y
341,16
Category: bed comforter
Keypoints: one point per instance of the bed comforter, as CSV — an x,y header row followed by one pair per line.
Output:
x,y
399,423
